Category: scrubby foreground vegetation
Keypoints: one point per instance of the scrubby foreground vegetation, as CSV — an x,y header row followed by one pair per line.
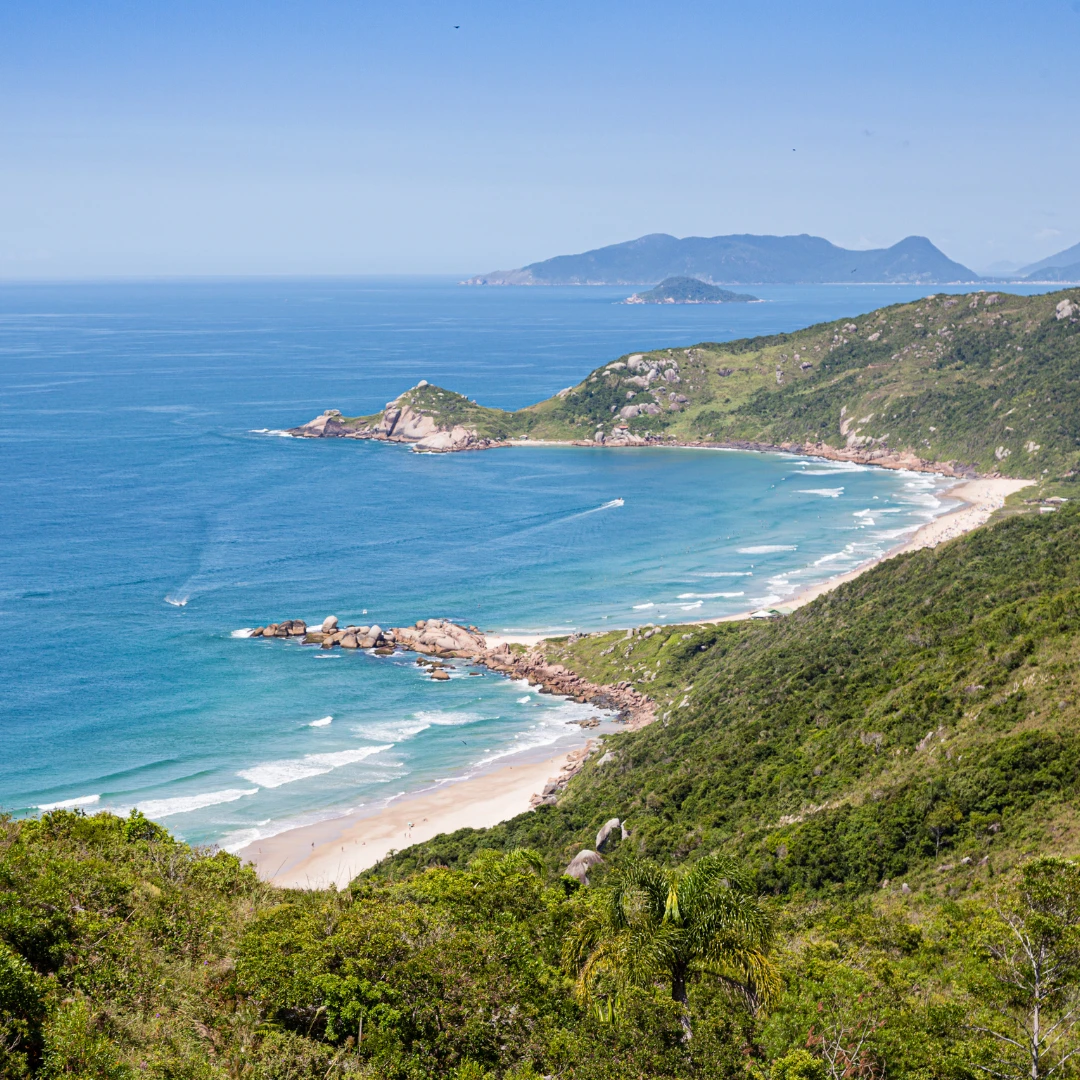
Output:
x,y
126,954
848,856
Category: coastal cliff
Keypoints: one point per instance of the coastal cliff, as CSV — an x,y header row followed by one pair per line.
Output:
x,y
982,383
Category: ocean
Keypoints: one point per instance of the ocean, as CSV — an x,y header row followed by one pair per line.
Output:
x,y
147,518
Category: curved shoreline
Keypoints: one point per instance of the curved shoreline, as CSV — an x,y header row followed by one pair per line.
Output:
x,y
335,850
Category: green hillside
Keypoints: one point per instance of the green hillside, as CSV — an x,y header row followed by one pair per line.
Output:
x,y
837,834
919,715
987,381
990,381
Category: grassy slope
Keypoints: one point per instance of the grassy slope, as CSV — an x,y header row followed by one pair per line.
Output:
x,y
949,378
801,743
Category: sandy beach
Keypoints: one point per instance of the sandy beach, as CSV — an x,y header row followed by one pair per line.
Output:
x,y
335,851
981,498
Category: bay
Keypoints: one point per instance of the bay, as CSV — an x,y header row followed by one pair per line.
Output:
x,y
145,520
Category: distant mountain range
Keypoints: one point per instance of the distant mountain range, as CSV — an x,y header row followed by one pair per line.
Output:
x,y
739,260
1064,266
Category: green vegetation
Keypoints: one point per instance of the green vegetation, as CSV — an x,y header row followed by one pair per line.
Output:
x,y
986,381
919,716
847,856
689,290
124,954
848,832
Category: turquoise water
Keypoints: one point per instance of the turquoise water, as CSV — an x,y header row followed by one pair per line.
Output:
x,y
144,522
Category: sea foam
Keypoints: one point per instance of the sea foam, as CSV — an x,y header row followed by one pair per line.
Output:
x,y
184,804
272,774
767,549
70,804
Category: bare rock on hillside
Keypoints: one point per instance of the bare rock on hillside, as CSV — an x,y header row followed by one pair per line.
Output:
x,y
581,864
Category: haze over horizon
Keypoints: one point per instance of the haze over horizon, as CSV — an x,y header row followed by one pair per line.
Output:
x,y
467,137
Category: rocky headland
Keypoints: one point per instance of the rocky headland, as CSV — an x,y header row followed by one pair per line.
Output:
x,y
945,384
443,640
439,640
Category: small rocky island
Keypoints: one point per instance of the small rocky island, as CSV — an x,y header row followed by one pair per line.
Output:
x,y
689,290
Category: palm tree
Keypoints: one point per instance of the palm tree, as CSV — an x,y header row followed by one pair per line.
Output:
x,y
651,923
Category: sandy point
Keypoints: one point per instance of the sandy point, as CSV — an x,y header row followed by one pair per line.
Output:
x,y
333,852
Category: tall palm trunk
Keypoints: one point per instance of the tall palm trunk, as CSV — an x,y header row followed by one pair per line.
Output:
x,y
678,993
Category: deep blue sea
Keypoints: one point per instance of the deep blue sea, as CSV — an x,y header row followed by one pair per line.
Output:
x,y
144,520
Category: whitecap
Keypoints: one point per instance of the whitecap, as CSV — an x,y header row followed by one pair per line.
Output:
x,y
767,549
706,595
245,633
828,493
642,607
691,607
184,804
272,774
761,601
727,573
70,804
324,722
524,700
177,601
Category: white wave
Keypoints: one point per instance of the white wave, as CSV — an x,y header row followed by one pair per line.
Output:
x,y
271,431
245,633
691,607
761,601
727,573
706,595
70,804
184,804
524,700
324,722
448,718
828,493
392,730
642,607
767,549
827,468
177,601
272,774
831,558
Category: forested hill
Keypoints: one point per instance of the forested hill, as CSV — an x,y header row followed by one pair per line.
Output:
x,y
906,727
741,260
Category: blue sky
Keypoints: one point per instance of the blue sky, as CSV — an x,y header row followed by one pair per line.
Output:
x,y
333,137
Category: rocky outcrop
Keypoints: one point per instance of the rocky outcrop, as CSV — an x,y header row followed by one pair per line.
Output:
x,y
444,640
581,864
401,422
608,835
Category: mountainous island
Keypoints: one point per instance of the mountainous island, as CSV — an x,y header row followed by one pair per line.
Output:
x,y
739,260
846,848
1064,266
688,290
975,383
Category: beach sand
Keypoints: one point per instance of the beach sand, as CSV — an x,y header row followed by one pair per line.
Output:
x,y
335,851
